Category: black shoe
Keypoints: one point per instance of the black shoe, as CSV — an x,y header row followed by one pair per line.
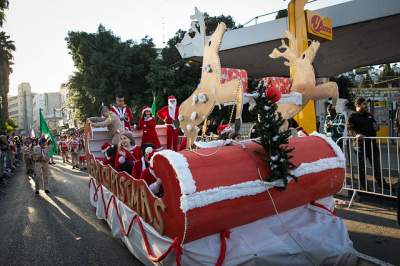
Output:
x,y
37,192
47,191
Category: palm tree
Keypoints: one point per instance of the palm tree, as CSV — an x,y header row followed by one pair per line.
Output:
x,y
3,5
7,47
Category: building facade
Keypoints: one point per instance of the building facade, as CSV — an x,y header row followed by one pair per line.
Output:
x,y
68,120
50,104
20,107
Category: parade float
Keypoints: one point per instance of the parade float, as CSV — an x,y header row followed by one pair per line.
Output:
x,y
232,202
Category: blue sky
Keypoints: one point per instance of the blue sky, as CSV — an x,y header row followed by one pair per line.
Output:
x,y
40,27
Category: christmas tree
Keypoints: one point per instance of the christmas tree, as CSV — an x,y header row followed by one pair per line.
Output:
x,y
272,139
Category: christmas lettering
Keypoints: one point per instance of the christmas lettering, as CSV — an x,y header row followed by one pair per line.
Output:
x,y
134,193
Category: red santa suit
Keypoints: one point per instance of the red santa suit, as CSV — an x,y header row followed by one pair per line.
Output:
x,y
123,160
169,114
148,124
108,152
124,114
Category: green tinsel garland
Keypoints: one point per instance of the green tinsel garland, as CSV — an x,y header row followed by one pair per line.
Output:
x,y
267,128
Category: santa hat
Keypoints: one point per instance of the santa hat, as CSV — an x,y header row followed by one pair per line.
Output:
x,y
149,151
105,147
145,108
171,97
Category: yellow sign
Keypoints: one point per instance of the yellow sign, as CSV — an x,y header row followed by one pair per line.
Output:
x,y
318,26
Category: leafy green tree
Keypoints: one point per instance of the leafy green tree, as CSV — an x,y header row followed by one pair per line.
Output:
x,y
106,66
7,47
388,74
187,72
3,6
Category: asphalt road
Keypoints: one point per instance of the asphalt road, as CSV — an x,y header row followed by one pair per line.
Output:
x,y
61,228
56,229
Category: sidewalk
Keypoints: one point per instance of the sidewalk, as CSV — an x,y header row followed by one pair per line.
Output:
x,y
372,225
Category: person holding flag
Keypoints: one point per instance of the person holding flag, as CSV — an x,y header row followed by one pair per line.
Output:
x,y
40,155
44,131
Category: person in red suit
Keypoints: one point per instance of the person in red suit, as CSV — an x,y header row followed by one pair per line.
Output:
x,y
169,114
148,124
149,176
132,152
123,159
142,163
122,111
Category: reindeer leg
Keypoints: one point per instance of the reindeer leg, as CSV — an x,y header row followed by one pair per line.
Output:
x,y
239,109
327,90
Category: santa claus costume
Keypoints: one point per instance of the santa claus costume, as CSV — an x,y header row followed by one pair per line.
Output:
x,y
141,163
128,145
123,160
148,124
149,176
123,112
169,114
108,150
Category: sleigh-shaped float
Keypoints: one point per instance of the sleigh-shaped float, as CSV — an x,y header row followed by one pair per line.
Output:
x,y
216,209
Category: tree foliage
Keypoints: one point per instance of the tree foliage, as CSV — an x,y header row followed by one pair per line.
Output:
x,y
388,74
7,47
106,65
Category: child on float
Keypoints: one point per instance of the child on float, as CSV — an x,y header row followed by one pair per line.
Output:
x,y
127,152
147,123
149,176
108,151
142,163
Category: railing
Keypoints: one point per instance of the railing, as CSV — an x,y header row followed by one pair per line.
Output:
x,y
372,165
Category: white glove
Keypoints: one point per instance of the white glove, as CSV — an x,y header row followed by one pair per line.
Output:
x,y
121,159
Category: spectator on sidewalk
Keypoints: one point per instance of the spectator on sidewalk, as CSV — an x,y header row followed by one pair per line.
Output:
x,y
362,125
74,149
334,123
63,148
27,156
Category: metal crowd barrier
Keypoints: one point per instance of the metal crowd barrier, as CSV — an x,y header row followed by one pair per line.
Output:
x,y
372,165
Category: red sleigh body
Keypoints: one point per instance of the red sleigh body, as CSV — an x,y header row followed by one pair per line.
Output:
x,y
235,165
222,188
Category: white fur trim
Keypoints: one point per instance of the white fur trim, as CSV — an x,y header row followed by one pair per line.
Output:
x,y
181,168
206,197
193,116
146,109
292,98
339,153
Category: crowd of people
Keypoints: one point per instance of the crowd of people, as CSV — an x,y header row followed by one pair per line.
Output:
x,y
122,152
363,126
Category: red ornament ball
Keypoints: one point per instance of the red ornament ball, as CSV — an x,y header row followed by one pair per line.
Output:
x,y
273,93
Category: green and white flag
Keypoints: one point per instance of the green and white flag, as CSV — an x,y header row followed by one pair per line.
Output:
x,y
44,131
154,107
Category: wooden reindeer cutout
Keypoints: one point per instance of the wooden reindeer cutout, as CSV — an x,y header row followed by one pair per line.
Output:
x,y
304,76
210,92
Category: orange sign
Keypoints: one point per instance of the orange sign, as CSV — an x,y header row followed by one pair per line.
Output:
x,y
318,26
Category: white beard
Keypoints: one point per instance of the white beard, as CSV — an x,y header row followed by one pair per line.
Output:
x,y
171,110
